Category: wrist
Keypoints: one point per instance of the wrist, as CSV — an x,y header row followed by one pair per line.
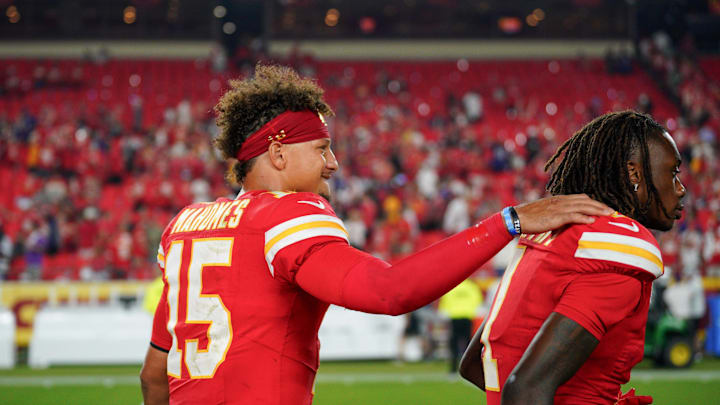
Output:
x,y
511,221
492,229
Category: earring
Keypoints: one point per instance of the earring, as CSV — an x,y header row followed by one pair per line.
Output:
x,y
636,187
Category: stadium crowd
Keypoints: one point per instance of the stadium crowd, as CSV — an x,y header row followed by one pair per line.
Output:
x,y
90,176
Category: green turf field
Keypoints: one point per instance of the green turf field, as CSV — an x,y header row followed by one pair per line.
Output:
x,y
341,383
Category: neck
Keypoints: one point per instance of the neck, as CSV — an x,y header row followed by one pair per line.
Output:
x,y
260,181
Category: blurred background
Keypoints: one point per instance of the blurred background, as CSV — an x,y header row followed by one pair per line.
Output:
x,y
445,112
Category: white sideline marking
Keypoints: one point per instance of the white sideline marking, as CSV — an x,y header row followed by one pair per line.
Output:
x,y
342,378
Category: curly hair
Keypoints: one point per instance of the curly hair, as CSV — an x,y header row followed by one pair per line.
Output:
x,y
251,103
594,161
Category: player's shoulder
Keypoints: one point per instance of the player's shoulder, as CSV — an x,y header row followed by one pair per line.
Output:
x,y
290,204
272,208
619,241
616,226
290,220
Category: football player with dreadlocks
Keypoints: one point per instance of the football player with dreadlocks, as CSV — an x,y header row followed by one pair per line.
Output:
x,y
568,321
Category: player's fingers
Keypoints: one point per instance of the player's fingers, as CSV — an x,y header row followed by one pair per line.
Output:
x,y
592,209
585,199
579,218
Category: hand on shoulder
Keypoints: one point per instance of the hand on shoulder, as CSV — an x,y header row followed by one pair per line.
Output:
x,y
553,212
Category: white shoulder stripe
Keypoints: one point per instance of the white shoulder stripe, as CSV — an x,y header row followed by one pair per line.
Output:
x,y
622,240
622,258
297,237
305,219
621,249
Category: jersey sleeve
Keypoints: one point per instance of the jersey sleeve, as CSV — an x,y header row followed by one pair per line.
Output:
x,y
305,222
160,338
617,244
598,301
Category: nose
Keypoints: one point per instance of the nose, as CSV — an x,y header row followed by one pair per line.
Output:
x,y
680,189
331,162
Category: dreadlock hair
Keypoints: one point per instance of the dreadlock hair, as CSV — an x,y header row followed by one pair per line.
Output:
x,y
594,161
251,103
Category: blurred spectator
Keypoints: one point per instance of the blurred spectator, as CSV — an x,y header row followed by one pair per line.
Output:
x,y
686,300
392,238
618,62
218,58
6,251
457,214
644,104
35,246
357,231
427,176
473,106
690,254
460,305
410,347
610,61
711,249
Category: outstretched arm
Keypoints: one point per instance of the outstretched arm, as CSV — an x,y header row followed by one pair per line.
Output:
x,y
558,350
341,275
471,367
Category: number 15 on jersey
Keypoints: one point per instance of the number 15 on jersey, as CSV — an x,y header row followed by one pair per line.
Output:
x,y
204,309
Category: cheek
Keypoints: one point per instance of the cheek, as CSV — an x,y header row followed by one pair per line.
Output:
x,y
669,187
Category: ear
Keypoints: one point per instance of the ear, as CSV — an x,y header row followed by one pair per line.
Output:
x,y
634,172
277,155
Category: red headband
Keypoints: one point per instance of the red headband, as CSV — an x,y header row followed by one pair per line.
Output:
x,y
288,127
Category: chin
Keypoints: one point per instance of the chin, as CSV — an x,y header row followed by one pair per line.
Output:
x,y
326,195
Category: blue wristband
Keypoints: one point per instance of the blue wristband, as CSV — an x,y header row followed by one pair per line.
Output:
x,y
512,222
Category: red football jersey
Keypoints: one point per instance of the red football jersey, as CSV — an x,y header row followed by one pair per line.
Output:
x,y
237,328
599,275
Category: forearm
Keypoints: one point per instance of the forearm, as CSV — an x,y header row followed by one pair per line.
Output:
x,y
154,379
364,283
155,393
471,366
515,393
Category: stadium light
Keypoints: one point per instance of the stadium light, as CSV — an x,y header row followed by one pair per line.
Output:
x,y
129,15
12,14
531,20
367,25
219,11
229,28
509,25
332,17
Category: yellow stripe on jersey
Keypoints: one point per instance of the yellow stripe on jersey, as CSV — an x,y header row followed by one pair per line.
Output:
x,y
622,249
280,194
309,225
299,229
161,257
